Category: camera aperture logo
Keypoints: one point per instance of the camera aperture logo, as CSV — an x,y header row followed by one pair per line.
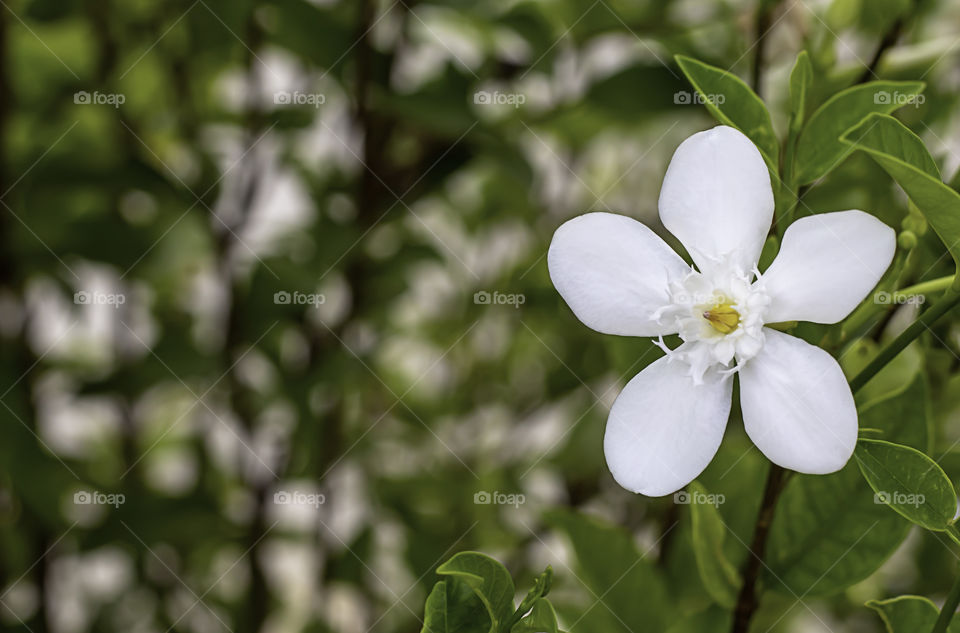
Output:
x,y
899,498
97,498
99,98
484,298
497,498
87,298
297,298
515,99
298,498
686,498
314,99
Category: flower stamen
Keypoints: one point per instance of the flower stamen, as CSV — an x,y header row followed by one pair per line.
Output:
x,y
723,318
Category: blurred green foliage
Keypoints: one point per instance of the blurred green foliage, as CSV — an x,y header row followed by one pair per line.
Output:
x,y
249,375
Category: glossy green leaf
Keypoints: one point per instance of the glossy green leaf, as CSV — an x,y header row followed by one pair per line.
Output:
x,y
489,580
733,103
909,482
800,79
819,148
453,607
541,619
719,576
902,155
909,614
882,133
828,533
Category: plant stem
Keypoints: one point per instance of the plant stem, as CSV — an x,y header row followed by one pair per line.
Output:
x,y
761,26
856,322
889,39
888,353
747,602
949,608
927,287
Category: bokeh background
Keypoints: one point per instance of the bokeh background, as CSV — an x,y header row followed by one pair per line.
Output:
x,y
278,335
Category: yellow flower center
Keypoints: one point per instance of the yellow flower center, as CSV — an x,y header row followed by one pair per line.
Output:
x,y
723,318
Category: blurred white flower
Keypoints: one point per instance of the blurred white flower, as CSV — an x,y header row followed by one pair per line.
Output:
x,y
620,278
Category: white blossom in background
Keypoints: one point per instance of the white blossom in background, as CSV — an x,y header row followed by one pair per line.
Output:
x,y
620,278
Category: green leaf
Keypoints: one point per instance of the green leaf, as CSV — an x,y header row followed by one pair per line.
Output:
x,y
611,566
885,134
828,533
820,519
901,154
908,614
453,607
542,619
540,589
909,482
819,148
733,103
719,576
800,79
489,580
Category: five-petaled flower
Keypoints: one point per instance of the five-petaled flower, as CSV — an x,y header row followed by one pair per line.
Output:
x,y
620,278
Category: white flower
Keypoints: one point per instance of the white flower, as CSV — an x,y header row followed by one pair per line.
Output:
x,y
620,278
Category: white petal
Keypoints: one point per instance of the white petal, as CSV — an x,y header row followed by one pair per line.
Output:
x,y
663,430
827,264
716,198
797,406
613,272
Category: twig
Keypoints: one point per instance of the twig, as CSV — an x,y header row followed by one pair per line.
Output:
x,y
747,602
888,353
258,595
760,27
949,609
889,39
